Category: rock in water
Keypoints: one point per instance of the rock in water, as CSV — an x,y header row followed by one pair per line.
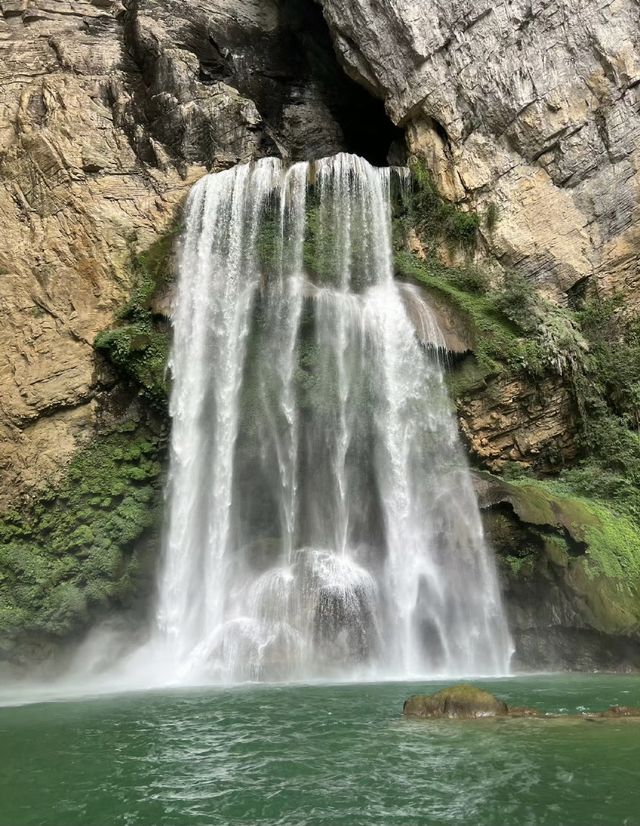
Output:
x,y
616,712
460,701
467,702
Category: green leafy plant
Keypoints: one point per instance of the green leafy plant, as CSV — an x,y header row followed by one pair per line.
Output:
x,y
433,217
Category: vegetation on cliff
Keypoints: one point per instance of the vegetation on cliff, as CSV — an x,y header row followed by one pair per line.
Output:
x,y
69,554
579,531
542,529
83,545
591,345
138,345
433,217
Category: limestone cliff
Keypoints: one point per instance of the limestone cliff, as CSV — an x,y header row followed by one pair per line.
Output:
x,y
108,113
532,106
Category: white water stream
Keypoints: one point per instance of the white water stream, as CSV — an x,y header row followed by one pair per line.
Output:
x,y
321,518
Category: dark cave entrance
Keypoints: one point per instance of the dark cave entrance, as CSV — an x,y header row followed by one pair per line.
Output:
x,y
309,105
367,129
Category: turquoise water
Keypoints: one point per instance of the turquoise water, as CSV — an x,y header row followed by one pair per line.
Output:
x,y
313,755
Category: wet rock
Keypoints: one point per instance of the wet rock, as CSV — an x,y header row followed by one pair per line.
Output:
x,y
468,702
568,574
464,702
524,712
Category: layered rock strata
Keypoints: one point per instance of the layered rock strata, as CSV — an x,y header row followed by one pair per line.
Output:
x,y
530,106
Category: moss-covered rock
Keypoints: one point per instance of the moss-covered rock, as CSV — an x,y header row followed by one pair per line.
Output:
x,y
494,339
78,549
138,345
468,702
459,702
571,570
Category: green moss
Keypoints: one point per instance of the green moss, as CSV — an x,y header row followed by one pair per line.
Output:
x,y
467,377
495,338
152,271
433,217
557,550
138,346
613,545
554,538
520,566
140,351
610,531
66,556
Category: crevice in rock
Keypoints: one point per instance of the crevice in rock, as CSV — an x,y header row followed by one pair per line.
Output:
x,y
221,93
577,293
442,133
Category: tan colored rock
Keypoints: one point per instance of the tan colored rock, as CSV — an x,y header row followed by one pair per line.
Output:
x,y
519,420
465,702
72,198
107,116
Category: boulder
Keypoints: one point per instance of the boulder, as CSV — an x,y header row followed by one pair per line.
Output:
x,y
468,702
458,702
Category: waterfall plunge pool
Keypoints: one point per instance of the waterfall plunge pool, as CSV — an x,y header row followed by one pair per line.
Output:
x,y
309,755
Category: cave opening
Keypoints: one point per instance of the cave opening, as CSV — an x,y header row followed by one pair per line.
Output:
x,y
309,105
366,127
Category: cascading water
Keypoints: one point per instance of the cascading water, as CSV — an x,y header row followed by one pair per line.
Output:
x,y
321,517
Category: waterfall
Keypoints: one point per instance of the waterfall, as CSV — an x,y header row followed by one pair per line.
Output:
x,y
321,517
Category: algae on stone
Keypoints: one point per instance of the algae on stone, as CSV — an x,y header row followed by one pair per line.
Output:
x,y
458,702
593,549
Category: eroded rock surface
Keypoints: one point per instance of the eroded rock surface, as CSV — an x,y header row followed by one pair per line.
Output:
x,y
108,113
513,419
530,106
458,702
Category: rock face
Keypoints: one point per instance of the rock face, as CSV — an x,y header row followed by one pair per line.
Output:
x,y
513,419
571,576
108,113
72,195
530,106
110,110
505,415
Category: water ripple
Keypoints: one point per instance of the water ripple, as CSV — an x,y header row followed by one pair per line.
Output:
x,y
318,756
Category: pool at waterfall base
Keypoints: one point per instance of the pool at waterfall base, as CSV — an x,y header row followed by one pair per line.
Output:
x,y
314,754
